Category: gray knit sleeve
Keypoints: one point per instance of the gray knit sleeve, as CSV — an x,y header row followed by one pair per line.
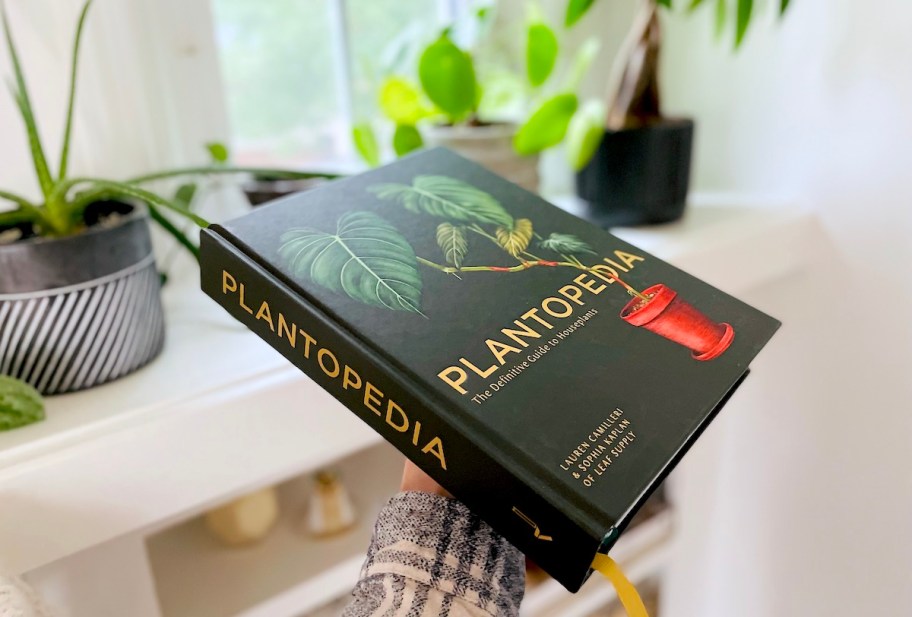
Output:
x,y
430,556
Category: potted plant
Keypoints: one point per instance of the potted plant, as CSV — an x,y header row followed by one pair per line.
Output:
x,y
461,97
634,167
263,186
79,301
79,295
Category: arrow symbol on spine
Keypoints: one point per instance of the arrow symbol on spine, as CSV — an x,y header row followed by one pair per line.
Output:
x,y
536,531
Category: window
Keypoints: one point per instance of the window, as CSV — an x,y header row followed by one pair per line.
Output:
x,y
299,73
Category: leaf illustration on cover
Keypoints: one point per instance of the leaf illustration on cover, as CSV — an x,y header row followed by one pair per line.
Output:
x,y
567,244
516,240
446,198
452,241
367,259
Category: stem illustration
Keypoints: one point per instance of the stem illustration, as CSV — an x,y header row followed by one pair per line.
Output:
x,y
571,262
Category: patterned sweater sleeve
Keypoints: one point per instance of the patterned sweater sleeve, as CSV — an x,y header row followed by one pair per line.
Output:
x,y
430,556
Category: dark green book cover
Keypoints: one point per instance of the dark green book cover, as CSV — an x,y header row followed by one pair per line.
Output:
x,y
545,372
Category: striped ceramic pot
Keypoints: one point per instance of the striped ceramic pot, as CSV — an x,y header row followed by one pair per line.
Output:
x,y
79,311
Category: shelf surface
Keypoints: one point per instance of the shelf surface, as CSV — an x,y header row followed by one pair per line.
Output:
x,y
220,412
289,572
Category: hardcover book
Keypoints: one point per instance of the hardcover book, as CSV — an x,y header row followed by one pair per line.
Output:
x,y
542,370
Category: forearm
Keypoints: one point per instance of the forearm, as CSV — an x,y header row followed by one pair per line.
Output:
x,y
431,556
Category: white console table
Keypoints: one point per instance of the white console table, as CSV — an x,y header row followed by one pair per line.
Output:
x,y
97,502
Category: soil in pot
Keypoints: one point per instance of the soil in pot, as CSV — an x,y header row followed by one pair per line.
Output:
x,y
81,310
638,175
667,315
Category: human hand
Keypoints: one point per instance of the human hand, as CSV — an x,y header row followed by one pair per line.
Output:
x,y
413,479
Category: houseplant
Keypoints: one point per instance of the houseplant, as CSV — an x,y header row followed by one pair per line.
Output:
x,y
79,295
635,162
79,301
453,101
263,186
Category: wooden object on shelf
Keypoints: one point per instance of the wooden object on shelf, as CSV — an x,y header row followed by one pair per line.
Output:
x,y
330,510
246,519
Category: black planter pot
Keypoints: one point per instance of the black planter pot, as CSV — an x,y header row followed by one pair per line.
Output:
x,y
260,191
79,311
638,176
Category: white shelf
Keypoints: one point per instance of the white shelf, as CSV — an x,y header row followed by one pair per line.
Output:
x,y
286,574
641,552
220,412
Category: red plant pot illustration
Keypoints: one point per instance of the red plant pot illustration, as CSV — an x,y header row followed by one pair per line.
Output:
x,y
668,315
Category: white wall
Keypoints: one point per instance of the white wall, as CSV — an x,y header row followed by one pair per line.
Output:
x,y
800,501
148,91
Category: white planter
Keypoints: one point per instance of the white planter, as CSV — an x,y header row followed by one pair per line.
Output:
x,y
491,146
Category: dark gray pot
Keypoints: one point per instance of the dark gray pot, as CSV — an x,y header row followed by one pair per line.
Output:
x,y
638,176
79,311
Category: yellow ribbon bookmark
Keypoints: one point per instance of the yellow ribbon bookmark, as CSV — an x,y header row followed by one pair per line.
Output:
x,y
626,592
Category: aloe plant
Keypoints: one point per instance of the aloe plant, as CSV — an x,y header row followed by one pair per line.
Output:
x,y
636,100
64,199
450,89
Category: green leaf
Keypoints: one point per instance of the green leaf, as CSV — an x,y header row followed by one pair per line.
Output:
x,y
585,133
184,194
446,198
68,130
367,259
405,139
123,189
541,53
366,143
575,11
452,241
665,3
277,174
26,208
783,6
20,93
721,15
694,5
566,244
15,217
20,404
447,76
547,126
515,240
182,239
218,152
582,60
400,101
745,9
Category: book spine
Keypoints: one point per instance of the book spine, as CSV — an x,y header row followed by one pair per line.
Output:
x,y
394,406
